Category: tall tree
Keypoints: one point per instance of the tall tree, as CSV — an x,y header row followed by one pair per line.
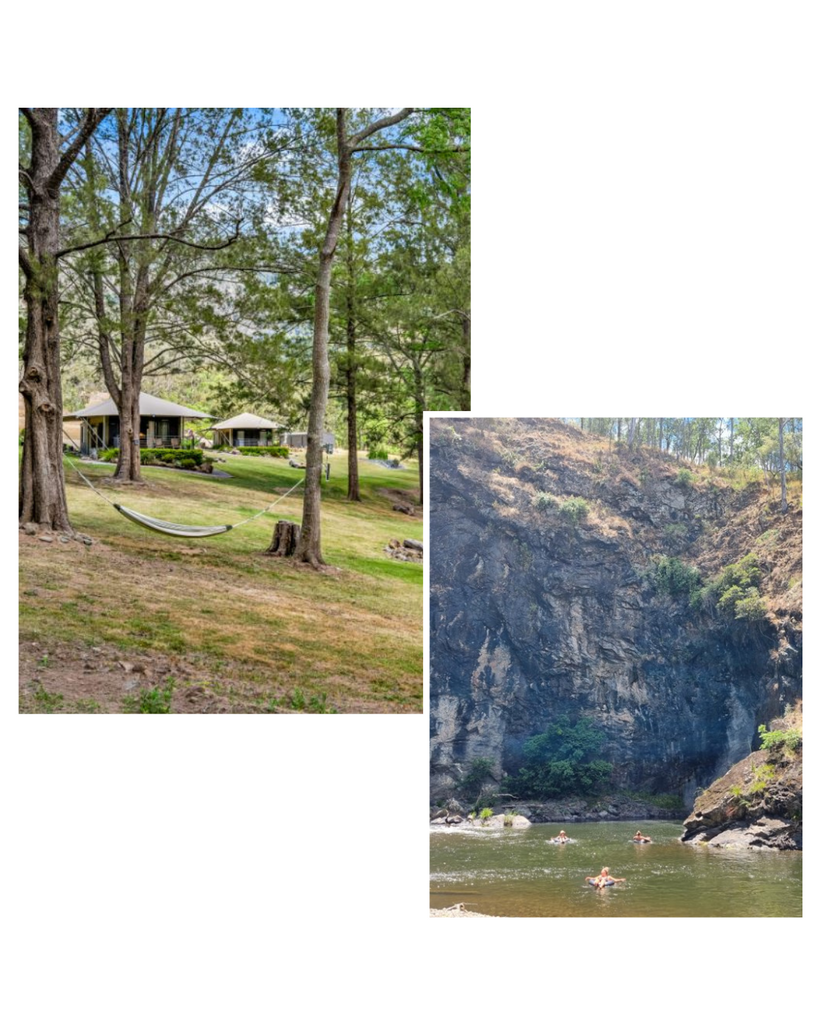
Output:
x,y
309,546
49,158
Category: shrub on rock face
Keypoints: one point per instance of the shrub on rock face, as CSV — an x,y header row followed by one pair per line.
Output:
x,y
574,509
684,478
674,577
544,501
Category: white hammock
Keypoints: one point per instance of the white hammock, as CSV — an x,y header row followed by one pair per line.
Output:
x,y
173,529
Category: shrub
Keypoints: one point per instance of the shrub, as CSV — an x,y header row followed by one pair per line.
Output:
x,y
277,451
544,501
480,769
574,509
154,456
684,478
485,815
791,739
735,591
381,454
187,464
673,577
562,760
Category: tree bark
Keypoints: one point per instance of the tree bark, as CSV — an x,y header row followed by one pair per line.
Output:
x,y
353,487
42,484
782,465
285,539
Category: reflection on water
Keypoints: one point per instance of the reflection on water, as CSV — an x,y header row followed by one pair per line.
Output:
x,y
519,873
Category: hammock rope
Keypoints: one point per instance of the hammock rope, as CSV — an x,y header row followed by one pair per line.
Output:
x,y
177,529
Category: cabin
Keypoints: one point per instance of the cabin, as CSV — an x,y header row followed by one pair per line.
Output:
x,y
246,431
299,440
161,423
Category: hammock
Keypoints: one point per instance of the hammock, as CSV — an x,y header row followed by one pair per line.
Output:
x,y
176,529
173,529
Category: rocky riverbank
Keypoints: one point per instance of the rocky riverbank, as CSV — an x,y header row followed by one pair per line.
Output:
x,y
573,810
757,804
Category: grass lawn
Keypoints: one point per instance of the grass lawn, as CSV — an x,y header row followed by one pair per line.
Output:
x,y
232,629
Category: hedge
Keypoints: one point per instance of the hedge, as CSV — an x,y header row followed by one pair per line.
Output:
x,y
158,456
276,450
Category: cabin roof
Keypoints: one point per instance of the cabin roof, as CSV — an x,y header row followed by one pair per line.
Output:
x,y
246,421
149,405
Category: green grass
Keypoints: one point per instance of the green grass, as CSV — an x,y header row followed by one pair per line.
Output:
x,y
222,604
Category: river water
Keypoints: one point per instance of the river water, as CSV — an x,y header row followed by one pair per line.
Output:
x,y
519,873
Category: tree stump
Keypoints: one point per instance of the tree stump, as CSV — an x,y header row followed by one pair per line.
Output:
x,y
285,538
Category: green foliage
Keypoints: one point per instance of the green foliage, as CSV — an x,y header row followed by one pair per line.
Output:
x,y
156,701
485,815
735,591
480,769
544,501
381,454
763,774
790,739
674,577
45,702
684,478
277,451
563,760
160,456
574,509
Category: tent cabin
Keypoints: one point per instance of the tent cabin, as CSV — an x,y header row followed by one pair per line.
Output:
x,y
161,423
299,440
246,431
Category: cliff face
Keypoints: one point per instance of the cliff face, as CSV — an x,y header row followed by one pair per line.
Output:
x,y
533,615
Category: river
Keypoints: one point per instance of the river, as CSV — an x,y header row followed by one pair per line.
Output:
x,y
519,873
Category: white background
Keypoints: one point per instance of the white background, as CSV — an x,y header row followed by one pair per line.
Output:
x,y
645,233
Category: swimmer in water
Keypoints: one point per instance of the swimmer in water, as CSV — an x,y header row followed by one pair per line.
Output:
x,y
560,838
640,838
603,879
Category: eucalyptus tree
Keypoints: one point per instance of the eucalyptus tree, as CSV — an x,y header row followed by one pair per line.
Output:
x,y
47,156
171,189
348,145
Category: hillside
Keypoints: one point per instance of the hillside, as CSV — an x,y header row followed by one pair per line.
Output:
x,y
574,578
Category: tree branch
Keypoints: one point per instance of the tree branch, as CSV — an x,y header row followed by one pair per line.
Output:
x,y
384,122
110,237
412,149
92,118
25,263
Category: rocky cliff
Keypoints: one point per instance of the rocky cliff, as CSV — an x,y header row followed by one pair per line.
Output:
x,y
546,599
758,802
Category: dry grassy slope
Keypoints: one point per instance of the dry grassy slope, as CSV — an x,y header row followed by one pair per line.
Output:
x,y
735,513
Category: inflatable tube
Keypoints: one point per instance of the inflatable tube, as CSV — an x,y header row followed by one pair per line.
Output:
x,y
600,885
639,841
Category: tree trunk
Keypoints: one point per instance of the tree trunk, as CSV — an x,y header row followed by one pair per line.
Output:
x,y
285,539
309,545
353,490
419,426
466,376
42,485
782,465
